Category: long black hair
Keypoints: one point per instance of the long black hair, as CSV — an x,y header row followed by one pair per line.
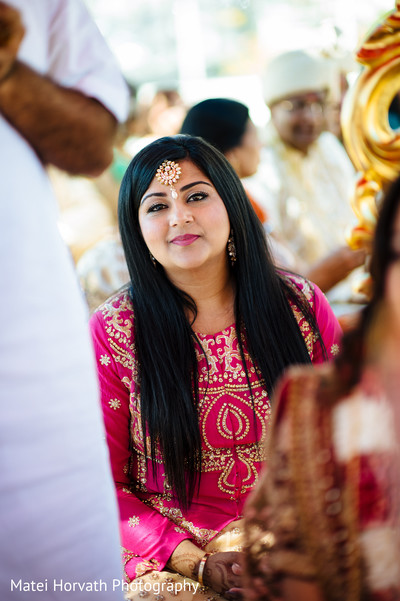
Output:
x,y
351,360
163,337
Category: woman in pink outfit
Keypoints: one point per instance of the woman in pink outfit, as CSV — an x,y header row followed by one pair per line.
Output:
x,y
188,355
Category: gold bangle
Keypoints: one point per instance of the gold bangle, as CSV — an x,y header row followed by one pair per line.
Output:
x,y
200,571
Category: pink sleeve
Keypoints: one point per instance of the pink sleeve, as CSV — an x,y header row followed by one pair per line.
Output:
x,y
329,327
148,538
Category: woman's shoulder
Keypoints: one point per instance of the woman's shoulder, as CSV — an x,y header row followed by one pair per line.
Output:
x,y
299,283
118,302
115,314
112,331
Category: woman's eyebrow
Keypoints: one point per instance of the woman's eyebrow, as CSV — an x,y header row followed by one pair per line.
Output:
x,y
162,194
194,184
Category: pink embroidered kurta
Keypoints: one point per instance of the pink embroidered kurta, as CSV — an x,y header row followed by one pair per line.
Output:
x,y
152,524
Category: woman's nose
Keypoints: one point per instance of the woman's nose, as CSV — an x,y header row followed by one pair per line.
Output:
x,y
180,214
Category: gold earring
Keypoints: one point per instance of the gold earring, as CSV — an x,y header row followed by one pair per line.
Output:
x,y
231,249
153,260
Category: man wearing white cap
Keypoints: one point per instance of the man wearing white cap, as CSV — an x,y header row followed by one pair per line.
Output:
x,y
306,174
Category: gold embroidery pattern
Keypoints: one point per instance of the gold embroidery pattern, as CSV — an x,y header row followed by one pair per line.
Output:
x,y
119,329
249,457
226,415
127,381
104,359
142,567
228,354
133,521
211,359
309,337
147,566
304,286
201,535
114,404
334,350
216,460
127,556
240,413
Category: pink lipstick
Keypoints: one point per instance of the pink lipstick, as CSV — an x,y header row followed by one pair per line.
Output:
x,y
184,240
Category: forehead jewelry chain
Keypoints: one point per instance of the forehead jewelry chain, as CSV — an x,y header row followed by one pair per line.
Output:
x,y
168,173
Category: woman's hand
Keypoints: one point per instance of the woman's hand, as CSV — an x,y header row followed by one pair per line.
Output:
x,y
223,573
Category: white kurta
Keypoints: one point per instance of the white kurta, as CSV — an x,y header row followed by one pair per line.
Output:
x,y
307,198
58,518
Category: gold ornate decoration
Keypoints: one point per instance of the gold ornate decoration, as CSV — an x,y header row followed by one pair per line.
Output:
x,y
168,173
373,146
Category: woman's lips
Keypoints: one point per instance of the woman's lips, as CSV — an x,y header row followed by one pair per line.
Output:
x,y
184,240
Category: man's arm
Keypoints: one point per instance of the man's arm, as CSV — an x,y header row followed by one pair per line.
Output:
x,y
65,127
335,267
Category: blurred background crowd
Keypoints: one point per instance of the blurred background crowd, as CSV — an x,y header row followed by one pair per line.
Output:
x,y
176,54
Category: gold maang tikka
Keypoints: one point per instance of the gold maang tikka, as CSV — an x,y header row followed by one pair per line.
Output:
x,y
168,173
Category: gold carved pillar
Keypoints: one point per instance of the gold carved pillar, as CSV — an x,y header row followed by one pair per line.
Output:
x,y
372,144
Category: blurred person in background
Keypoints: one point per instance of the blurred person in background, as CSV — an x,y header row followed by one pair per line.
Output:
x,y
226,124
323,523
101,267
88,205
61,95
305,176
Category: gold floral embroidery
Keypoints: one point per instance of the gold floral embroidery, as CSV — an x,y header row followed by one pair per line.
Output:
x,y
104,359
119,329
228,354
114,404
212,360
334,349
133,521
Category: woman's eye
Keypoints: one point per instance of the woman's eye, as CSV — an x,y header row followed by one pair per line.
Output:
x,y
155,207
197,196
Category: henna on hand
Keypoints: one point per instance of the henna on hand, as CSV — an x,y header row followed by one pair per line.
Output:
x,y
185,558
222,573
184,563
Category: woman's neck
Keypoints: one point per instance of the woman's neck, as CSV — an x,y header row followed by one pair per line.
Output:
x,y
214,295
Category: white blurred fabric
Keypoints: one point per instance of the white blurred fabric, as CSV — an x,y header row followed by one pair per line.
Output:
x,y
58,517
307,198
